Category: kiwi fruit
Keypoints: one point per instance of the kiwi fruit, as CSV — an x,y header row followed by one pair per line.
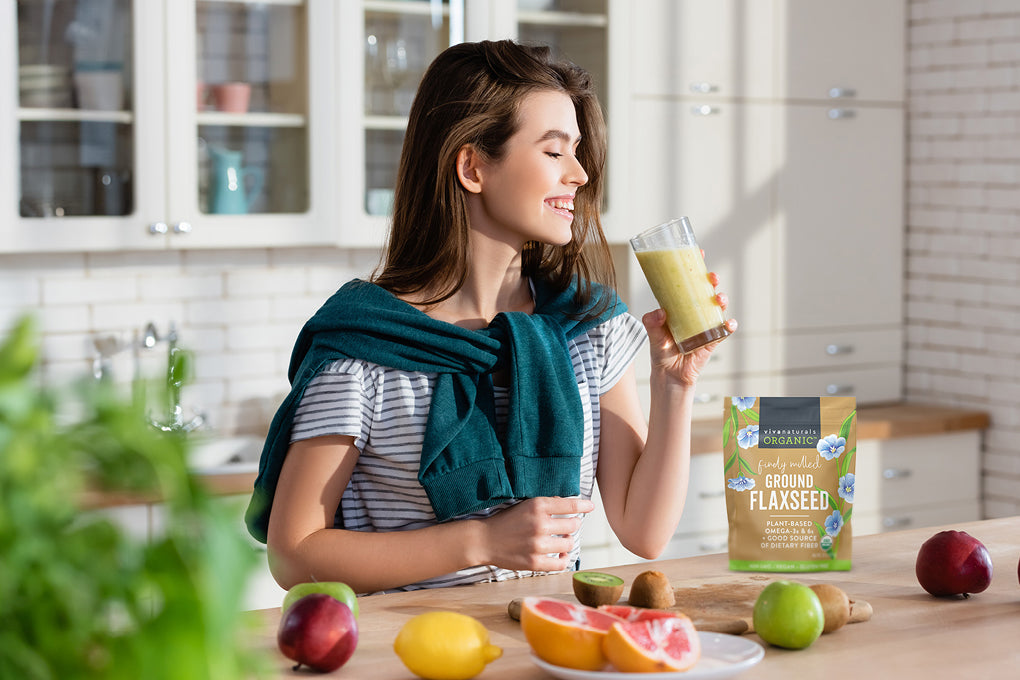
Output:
x,y
652,590
835,605
594,589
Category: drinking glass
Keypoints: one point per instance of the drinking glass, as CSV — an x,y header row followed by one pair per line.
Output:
x,y
675,270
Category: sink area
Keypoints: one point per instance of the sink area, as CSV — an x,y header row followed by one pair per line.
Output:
x,y
225,455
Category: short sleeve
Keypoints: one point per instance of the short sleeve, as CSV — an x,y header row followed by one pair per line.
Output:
x,y
337,401
624,336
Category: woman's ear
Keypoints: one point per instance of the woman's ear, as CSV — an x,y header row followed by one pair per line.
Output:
x,y
469,163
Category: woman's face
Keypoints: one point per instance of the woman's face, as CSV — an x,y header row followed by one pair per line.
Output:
x,y
528,195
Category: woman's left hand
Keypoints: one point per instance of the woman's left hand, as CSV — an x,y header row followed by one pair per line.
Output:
x,y
666,354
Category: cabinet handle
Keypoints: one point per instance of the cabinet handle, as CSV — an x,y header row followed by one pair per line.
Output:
x,y
842,92
896,473
705,110
896,522
158,228
711,494
835,350
704,88
839,389
182,228
840,114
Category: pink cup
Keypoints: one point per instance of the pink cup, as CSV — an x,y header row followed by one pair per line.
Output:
x,y
232,97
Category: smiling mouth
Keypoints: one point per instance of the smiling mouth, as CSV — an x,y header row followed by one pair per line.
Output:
x,y
562,206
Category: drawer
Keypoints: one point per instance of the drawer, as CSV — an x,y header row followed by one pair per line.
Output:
x,y
911,472
711,393
702,544
833,349
736,354
869,385
922,516
705,509
595,531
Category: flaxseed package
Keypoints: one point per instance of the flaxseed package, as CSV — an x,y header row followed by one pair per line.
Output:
x,y
789,469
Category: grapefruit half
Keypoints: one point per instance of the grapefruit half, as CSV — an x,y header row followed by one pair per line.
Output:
x,y
564,633
653,646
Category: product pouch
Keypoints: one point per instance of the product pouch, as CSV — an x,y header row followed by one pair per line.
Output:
x,y
789,473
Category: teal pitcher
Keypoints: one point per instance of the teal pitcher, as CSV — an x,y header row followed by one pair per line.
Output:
x,y
227,178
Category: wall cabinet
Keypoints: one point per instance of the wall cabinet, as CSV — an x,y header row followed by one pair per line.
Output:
x,y
703,49
229,123
790,165
840,50
184,123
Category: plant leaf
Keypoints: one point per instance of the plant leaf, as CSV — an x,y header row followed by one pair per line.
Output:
x,y
844,429
844,467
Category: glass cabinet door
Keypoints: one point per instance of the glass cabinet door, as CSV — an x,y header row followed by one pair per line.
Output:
x,y
401,39
252,107
576,30
75,109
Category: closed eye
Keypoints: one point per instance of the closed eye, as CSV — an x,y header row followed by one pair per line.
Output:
x,y
553,154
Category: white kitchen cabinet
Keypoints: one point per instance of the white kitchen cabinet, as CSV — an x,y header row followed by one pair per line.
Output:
x,y
839,222
917,481
794,186
239,124
832,49
703,48
173,123
900,483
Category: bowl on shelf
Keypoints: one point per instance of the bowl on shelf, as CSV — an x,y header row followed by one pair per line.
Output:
x,y
44,86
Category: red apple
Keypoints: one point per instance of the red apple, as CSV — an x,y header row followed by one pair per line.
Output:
x,y
318,631
953,563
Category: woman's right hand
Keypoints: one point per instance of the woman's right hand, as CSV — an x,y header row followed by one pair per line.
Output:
x,y
534,534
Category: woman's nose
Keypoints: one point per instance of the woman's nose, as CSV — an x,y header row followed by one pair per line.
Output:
x,y
576,174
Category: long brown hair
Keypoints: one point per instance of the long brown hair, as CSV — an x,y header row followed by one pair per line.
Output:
x,y
471,95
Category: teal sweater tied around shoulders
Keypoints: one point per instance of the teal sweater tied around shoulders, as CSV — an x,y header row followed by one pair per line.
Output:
x,y
464,466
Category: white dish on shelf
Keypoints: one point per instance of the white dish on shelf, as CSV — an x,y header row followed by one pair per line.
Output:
x,y
722,656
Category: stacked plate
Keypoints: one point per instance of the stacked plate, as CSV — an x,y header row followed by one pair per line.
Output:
x,y
44,86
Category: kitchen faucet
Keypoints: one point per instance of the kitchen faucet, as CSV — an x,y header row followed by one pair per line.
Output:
x,y
177,371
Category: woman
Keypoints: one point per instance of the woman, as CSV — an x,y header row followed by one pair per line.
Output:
x,y
448,418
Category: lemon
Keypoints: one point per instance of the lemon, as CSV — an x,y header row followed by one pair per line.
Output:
x,y
445,646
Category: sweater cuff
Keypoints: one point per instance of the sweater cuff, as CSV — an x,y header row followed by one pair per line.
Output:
x,y
467,489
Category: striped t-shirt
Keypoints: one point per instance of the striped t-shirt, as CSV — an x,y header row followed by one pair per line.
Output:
x,y
386,410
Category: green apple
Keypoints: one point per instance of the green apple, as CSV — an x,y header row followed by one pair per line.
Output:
x,y
788,614
335,589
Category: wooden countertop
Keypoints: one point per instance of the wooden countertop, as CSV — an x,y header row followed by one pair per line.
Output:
x,y
883,421
911,634
887,421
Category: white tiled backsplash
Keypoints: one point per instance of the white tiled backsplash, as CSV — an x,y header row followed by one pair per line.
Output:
x,y
239,311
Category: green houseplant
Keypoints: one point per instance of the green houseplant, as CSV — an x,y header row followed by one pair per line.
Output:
x,y
78,597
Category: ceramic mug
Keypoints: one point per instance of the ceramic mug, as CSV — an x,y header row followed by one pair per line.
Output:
x,y
232,97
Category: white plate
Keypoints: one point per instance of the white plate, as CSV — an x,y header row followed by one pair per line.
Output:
x,y
721,656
